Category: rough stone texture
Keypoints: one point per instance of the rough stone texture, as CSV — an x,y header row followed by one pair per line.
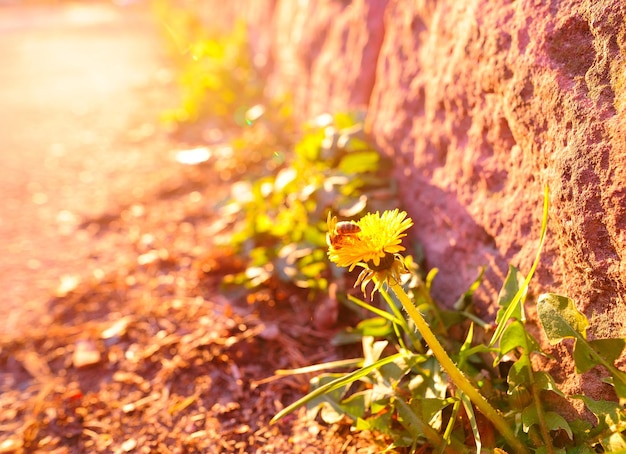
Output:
x,y
482,103
326,52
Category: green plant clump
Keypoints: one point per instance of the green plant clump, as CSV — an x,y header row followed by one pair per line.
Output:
x,y
217,77
281,230
462,394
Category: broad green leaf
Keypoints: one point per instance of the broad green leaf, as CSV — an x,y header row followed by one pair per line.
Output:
x,y
519,397
333,412
395,371
430,408
355,405
514,336
544,381
608,349
610,414
375,327
615,443
519,372
560,318
380,422
553,420
507,294
377,403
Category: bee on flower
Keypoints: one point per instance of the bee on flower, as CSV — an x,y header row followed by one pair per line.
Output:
x,y
373,243
341,232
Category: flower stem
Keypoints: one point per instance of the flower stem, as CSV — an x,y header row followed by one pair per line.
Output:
x,y
455,373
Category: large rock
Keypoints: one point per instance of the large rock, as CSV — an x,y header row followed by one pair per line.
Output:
x,y
481,103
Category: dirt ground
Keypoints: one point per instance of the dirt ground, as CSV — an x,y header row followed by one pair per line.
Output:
x,y
117,335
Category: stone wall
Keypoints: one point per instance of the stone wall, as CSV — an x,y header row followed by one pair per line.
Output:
x,y
481,103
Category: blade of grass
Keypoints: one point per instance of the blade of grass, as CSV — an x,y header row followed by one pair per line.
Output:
x,y
320,367
518,296
338,383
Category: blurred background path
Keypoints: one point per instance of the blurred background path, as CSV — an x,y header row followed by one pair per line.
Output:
x,y
81,88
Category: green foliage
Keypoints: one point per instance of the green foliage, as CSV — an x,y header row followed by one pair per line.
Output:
x,y
400,389
282,223
216,75
561,319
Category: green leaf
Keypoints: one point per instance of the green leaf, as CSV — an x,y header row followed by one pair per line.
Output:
x,y
396,370
520,294
336,384
610,414
616,443
513,337
471,418
430,277
355,405
560,318
507,294
327,402
354,362
544,381
619,381
375,310
375,327
553,420
380,422
608,349
519,372
430,408
416,426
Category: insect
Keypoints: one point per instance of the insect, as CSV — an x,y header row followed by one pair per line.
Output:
x,y
341,232
347,228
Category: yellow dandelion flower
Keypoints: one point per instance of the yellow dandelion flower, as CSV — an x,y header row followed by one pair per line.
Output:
x,y
378,236
373,242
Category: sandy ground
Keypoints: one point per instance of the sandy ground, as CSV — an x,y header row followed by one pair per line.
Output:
x,y
116,335
82,88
